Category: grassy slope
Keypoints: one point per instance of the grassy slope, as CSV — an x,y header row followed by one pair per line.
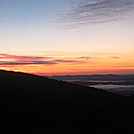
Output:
x,y
33,104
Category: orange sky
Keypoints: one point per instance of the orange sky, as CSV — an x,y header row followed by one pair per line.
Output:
x,y
72,65
52,38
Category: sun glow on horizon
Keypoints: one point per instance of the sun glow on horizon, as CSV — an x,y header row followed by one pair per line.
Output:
x,y
67,37
58,65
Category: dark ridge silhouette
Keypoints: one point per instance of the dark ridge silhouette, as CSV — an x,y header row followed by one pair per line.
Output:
x,y
31,104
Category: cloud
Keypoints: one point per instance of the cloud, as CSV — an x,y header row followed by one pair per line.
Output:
x,y
85,57
27,63
97,11
114,57
69,61
19,58
7,59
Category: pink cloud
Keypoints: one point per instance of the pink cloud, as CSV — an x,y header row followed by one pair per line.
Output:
x,y
19,58
15,60
24,60
114,57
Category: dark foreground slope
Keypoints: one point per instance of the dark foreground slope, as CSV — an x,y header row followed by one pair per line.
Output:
x,y
31,104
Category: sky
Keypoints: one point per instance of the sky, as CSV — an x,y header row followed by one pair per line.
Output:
x,y
67,37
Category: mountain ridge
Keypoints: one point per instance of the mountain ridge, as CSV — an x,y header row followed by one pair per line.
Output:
x,y
40,105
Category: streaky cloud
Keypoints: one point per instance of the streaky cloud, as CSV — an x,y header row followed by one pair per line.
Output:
x,y
27,63
7,59
83,12
24,60
8,56
69,61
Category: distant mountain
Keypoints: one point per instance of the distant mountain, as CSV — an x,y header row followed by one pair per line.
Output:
x,y
31,104
94,77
